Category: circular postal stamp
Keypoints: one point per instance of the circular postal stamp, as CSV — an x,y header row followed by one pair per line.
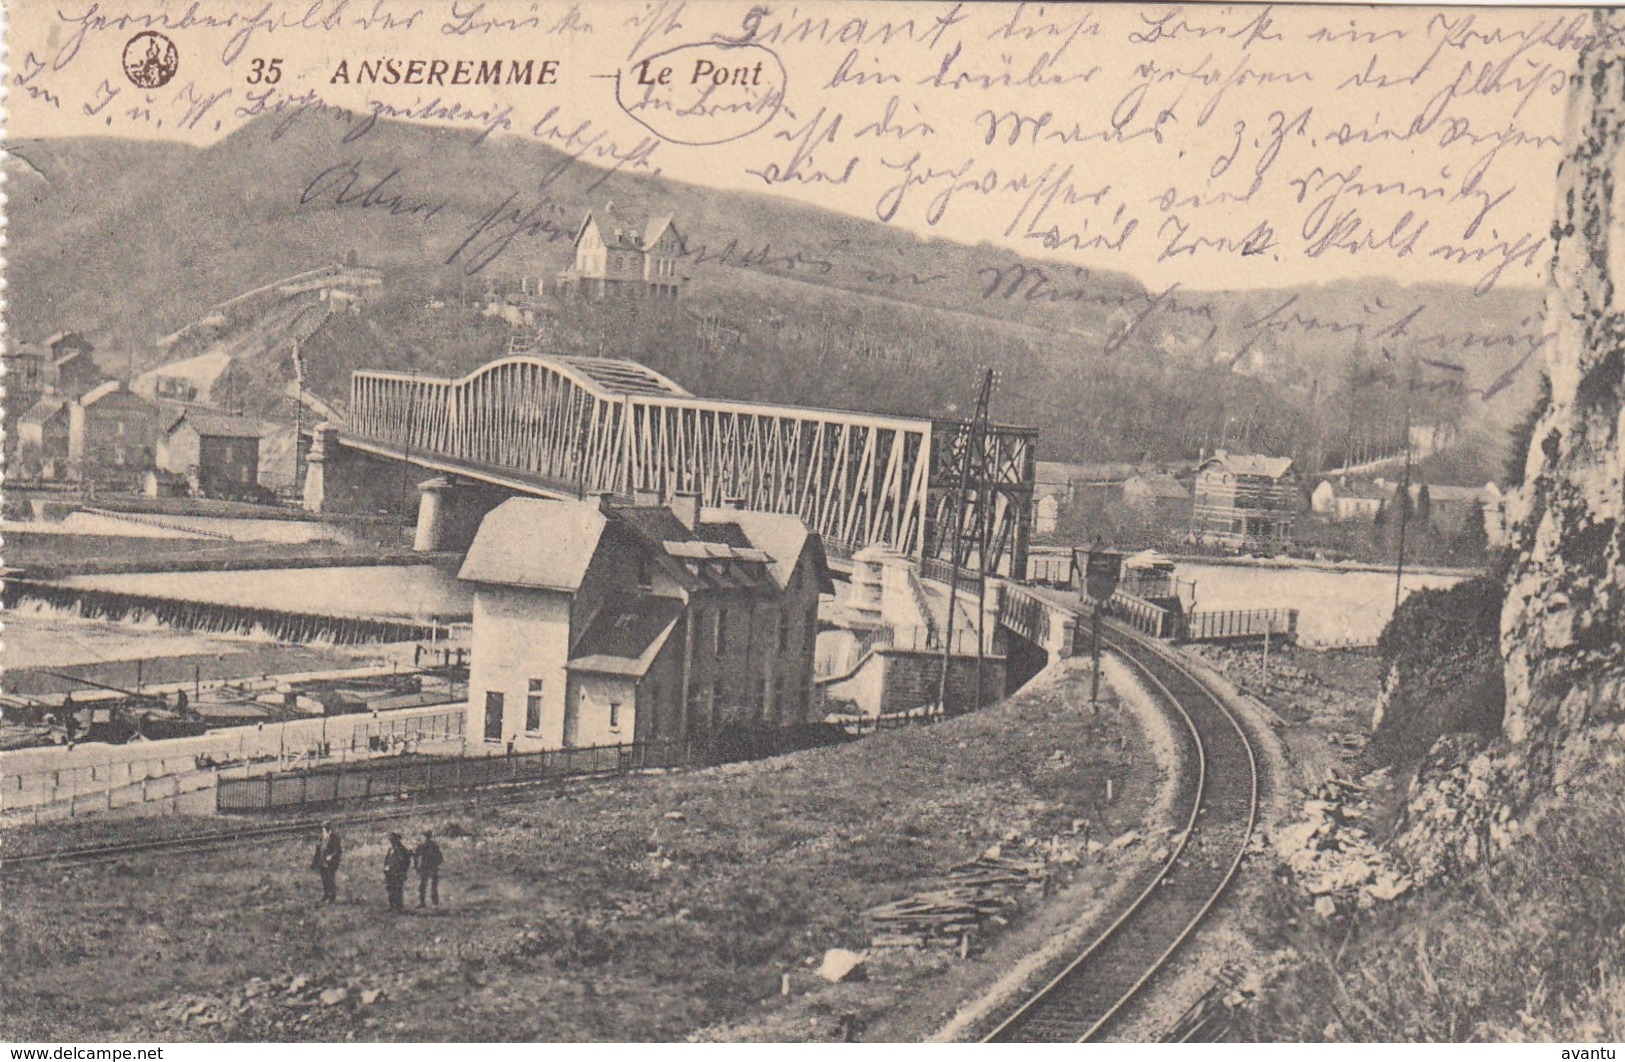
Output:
x,y
150,60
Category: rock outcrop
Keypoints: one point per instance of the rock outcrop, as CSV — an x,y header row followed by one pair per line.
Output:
x,y
1563,623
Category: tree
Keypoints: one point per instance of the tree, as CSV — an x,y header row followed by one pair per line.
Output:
x,y
1523,433
1424,506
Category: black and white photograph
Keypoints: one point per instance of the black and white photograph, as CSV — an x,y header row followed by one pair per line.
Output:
x,y
701,521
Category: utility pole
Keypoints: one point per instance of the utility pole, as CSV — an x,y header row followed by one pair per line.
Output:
x,y
973,446
1404,496
298,411
1094,650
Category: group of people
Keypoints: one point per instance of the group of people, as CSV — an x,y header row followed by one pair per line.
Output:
x,y
399,861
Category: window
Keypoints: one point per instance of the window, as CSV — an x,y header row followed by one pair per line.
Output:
x,y
722,626
646,575
533,707
784,630
493,715
614,715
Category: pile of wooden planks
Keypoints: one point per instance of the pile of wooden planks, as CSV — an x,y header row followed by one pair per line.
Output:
x,y
974,892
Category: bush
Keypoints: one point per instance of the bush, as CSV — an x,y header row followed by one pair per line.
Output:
x,y
1442,652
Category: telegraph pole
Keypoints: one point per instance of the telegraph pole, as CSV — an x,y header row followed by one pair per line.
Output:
x,y
298,411
1404,497
973,447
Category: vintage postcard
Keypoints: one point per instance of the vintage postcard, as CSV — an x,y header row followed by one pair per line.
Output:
x,y
695,520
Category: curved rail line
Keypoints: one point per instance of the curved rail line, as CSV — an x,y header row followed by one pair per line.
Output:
x,y
1093,989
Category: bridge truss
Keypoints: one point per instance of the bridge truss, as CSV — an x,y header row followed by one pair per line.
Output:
x,y
577,426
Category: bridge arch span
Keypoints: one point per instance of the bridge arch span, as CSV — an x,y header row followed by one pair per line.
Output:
x,y
583,425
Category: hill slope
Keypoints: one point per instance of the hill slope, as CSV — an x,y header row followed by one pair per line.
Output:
x,y
127,242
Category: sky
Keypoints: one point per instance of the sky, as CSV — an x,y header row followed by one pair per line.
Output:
x,y
1206,146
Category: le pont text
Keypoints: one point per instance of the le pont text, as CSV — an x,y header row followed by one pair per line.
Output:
x,y
447,72
705,73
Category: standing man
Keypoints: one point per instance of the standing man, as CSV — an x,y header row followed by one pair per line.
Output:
x,y
329,850
429,857
397,862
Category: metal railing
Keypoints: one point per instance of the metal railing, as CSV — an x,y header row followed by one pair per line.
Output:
x,y
406,776
1050,569
1241,623
1141,615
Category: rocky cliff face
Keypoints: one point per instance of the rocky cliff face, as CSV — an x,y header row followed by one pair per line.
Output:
x,y
1563,623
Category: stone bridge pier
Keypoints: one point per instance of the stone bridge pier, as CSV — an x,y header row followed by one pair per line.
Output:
x,y
345,480
450,511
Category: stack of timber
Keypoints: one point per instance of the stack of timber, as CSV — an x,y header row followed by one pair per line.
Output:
x,y
974,892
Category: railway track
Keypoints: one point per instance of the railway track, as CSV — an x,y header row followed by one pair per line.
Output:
x,y
107,853
1091,993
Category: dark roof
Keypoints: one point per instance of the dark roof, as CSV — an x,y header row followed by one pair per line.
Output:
x,y
621,234
655,524
43,410
782,537
718,565
1093,472
626,634
216,425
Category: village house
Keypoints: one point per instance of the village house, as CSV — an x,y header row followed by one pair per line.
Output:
x,y
111,433
71,369
219,454
601,624
617,259
1061,487
1348,500
1451,509
25,375
1244,501
42,437
1158,498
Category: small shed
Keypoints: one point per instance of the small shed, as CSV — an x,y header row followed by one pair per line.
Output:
x,y
218,453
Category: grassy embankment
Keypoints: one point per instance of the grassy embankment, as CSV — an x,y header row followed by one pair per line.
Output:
x,y
648,908
1529,948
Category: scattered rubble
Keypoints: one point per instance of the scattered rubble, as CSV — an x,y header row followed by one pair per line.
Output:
x,y
262,1008
1330,852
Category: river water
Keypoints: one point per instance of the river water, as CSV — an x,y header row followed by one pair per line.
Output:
x,y
1334,607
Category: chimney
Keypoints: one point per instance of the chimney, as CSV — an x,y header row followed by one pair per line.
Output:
x,y
685,504
644,498
733,503
606,501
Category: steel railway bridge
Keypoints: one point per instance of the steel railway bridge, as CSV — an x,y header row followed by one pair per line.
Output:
x,y
561,426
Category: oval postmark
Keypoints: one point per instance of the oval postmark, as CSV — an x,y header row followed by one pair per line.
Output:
x,y
703,93
150,59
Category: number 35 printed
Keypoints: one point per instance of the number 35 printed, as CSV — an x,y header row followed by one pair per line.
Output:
x,y
264,71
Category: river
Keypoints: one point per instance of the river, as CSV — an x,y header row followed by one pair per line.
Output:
x,y
400,592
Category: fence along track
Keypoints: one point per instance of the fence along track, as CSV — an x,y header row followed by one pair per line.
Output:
x,y
1095,987
103,853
